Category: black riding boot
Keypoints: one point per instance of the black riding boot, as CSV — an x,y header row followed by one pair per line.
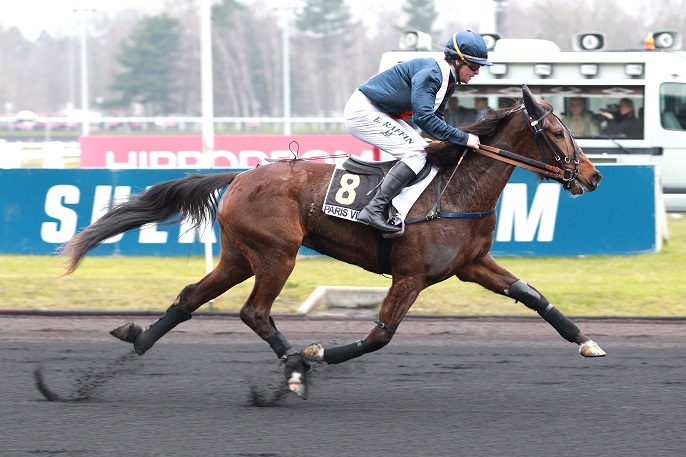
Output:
x,y
374,213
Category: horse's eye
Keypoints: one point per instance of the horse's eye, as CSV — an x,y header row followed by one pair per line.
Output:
x,y
559,134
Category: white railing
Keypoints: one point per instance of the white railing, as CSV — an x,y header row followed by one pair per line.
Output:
x,y
182,124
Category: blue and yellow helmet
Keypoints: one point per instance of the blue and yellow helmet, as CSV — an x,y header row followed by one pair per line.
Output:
x,y
467,46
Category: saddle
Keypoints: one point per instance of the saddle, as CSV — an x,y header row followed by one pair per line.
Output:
x,y
360,166
355,182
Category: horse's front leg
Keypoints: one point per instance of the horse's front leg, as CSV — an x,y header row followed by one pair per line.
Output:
x,y
492,276
255,314
395,306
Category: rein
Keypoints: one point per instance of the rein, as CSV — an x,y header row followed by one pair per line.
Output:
x,y
503,155
564,174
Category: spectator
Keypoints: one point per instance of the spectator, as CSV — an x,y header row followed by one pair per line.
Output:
x,y
481,107
457,115
623,122
579,121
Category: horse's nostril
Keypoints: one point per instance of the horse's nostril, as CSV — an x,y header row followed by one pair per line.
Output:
x,y
596,178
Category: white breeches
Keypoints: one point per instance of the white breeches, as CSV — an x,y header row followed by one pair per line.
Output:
x,y
394,136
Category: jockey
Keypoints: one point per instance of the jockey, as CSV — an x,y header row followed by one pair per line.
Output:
x,y
419,88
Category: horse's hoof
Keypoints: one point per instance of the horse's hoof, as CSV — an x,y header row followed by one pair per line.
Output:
x,y
591,349
296,369
127,332
297,385
313,353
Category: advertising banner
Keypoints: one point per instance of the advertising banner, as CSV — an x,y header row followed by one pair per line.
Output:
x,y
230,151
44,208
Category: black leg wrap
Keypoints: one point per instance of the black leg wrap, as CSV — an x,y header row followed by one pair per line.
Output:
x,y
338,354
559,321
173,317
533,299
280,345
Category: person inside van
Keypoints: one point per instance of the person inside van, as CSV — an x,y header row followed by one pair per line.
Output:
x,y
579,121
622,122
420,88
481,107
457,115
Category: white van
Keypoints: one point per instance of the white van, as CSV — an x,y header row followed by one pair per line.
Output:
x,y
653,80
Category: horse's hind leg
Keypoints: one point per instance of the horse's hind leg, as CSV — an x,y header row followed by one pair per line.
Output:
x,y
487,273
232,269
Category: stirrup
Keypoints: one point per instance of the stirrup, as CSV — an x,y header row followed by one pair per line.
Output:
x,y
401,232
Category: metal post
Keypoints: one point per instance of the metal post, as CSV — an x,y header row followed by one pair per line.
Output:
x,y
499,9
85,125
207,95
286,60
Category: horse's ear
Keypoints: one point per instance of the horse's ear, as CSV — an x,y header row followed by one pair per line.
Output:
x,y
531,104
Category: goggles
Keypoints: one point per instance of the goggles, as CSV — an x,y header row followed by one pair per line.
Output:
x,y
472,66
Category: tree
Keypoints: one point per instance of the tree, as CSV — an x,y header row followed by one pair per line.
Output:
x,y
325,20
325,49
246,49
149,59
422,15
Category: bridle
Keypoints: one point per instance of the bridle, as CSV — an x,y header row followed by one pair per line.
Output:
x,y
562,173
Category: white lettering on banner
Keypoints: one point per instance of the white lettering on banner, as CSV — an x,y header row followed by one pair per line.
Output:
x,y
62,231
190,159
514,217
149,234
102,203
110,162
219,158
67,219
253,157
163,159
188,234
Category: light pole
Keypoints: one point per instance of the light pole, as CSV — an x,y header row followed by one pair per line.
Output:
x,y
500,6
207,96
286,68
85,125
285,7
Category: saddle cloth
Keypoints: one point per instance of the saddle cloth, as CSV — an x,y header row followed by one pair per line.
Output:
x,y
352,188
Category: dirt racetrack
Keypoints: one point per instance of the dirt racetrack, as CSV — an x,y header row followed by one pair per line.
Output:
x,y
443,387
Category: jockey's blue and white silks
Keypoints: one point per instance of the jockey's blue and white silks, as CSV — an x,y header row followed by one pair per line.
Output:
x,y
420,88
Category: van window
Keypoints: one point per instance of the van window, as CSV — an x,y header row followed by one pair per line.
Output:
x,y
595,111
673,106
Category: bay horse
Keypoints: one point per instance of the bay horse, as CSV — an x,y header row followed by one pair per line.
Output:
x,y
267,213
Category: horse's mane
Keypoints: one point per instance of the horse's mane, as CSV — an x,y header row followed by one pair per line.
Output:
x,y
444,153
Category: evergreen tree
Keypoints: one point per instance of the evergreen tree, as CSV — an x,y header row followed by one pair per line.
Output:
x,y
223,13
149,59
421,15
326,25
325,20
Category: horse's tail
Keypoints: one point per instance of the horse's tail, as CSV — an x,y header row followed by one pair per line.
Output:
x,y
193,197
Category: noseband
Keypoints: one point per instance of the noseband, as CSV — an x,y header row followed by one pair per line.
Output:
x,y
541,139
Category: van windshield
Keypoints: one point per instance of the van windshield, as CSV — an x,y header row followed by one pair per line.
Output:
x,y
588,111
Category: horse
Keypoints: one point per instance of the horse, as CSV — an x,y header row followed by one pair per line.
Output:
x,y
267,213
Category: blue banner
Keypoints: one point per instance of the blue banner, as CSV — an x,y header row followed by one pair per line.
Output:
x,y
44,208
